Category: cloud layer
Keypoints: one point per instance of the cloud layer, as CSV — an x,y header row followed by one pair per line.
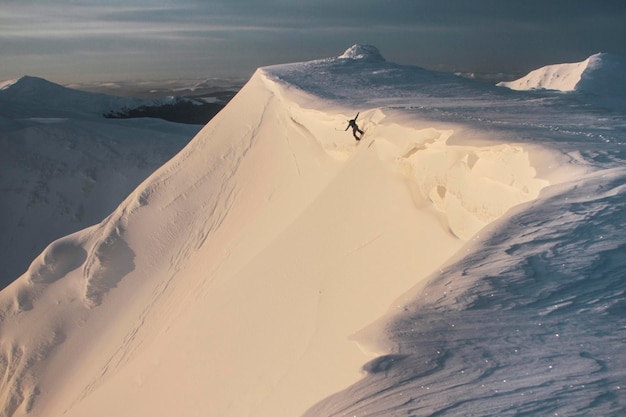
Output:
x,y
70,40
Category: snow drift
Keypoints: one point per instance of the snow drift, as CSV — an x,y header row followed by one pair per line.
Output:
x,y
63,167
600,74
243,276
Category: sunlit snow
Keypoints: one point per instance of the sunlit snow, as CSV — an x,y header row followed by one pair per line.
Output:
x,y
464,258
63,167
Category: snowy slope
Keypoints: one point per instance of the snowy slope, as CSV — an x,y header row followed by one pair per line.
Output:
x,y
601,74
31,96
562,77
64,167
245,275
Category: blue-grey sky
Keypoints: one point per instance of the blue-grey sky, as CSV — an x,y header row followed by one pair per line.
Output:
x,y
94,40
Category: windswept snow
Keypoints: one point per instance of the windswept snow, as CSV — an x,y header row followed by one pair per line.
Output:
x,y
257,271
562,77
366,52
600,74
63,167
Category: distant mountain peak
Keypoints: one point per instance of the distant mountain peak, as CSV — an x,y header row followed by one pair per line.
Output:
x,y
600,74
25,81
31,80
365,52
29,86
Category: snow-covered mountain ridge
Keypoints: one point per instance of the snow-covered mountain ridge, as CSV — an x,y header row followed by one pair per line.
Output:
x,y
243,276
26,91
34,97
601,74
64,167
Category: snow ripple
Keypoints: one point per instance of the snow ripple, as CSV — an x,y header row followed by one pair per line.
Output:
x,y
533,325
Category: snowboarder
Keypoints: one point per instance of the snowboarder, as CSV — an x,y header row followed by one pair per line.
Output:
x,y
355,128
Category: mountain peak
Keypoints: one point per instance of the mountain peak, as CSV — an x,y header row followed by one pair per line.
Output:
x,y
600,74
21,81
365,52
32,80
28,85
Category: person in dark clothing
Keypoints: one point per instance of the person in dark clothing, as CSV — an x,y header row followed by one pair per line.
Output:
x,y
355,128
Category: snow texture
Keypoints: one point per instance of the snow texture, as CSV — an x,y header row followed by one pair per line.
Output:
x,y
463,259
600,77
63,167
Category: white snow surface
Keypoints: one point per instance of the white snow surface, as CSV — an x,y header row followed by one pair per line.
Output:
x,y
465,249
64,167
601,73
562,77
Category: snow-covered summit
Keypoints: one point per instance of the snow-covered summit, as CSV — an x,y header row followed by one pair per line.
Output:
x,y
361,75
562,77
600,74
39,96
365,52
27,85
243,276
64,167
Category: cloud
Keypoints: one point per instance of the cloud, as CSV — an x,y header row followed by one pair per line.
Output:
x,y
176,19
450,34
